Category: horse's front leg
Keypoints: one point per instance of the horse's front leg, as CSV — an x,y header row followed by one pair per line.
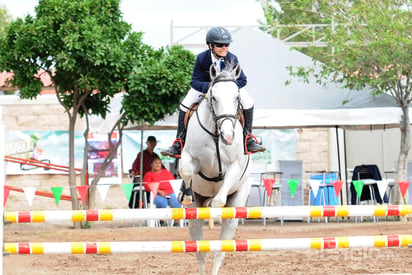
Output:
x,y
232,175
187,169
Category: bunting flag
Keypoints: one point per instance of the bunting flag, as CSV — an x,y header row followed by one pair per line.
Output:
x,y
153,187
403,186
337,185
83,192
293,184
29,192
176,184
6,194
269,185
102,189
382,186
314,185
358,185
127,189
57,193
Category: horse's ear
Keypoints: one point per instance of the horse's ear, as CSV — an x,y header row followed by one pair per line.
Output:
x,y
236,71
213,71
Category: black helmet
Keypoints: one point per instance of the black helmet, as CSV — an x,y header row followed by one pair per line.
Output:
x,y
218,35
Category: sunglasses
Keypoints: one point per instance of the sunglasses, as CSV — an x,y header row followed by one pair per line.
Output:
x,y
221,45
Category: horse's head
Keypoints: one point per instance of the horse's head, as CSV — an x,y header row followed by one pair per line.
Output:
x,y
224,100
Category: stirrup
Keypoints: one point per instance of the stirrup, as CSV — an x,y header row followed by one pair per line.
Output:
x,y
165,153
247,136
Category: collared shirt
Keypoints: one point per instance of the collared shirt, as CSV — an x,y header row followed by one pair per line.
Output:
x,y
217,61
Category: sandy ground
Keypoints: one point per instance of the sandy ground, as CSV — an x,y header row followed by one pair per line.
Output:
x,y
339,261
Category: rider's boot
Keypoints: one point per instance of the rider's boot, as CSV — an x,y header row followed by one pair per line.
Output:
x,y
251,145
176,149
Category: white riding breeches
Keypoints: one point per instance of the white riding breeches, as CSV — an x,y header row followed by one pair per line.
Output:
x,y
194,96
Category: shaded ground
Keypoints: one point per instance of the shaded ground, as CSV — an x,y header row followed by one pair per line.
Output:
x,y
342,261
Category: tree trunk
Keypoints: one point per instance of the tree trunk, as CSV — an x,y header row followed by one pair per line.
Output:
x,y
72,174
403,154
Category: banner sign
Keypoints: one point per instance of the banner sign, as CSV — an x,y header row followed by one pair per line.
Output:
x,y
45,146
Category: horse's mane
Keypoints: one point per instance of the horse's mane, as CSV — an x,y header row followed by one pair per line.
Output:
x,y
225,74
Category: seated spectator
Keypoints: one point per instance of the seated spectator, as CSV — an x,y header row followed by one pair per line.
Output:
x,y
134,172
165,195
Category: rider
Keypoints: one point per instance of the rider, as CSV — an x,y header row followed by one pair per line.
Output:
x,y
218,40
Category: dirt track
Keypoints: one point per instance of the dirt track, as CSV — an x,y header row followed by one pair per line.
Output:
x,y
342,261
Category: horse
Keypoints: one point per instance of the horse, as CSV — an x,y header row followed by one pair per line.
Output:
x,y
213,165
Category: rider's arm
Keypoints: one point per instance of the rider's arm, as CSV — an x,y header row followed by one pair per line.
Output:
x,y
200,76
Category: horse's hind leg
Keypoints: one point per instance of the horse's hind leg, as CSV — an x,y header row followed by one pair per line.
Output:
x,y
229,226
227,232
196,233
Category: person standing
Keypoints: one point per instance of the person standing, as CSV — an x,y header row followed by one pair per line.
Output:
x,y
134,172
148,155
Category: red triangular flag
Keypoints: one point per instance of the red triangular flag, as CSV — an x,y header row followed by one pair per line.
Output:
x,y
268,185
337,184
83,192
403,186
153,187
6,194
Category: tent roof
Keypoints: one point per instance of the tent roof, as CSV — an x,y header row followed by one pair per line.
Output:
x,y
265,61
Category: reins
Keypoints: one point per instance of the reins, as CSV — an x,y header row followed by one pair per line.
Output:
x,y
215,135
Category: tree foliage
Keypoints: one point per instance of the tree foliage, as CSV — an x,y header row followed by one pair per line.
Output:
x,y
84,46
91,54
156,88
371,46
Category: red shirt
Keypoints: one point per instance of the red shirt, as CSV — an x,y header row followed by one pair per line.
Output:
x,y
147,163
162,177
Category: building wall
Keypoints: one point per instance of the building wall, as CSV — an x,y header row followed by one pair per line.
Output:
x,y
45,113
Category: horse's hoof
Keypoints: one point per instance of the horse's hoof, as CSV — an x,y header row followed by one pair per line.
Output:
x,y
185,200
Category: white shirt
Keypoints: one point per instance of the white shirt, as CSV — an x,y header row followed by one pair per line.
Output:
x,y
218,62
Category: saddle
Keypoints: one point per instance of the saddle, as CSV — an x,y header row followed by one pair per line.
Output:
x,y
194,107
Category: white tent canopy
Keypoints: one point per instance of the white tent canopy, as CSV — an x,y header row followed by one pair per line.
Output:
x,y
265,61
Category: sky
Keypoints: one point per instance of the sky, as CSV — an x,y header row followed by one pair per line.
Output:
x,y
153,17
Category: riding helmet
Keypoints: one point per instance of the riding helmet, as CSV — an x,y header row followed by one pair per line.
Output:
x,y
218,35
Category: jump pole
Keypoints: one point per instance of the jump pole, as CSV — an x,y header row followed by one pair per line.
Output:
x,y
208,245
205,213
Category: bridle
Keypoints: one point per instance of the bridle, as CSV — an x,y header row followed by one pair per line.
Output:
x,y
218,119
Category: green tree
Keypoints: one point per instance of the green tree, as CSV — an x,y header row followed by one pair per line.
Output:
x,y
86,48
152,91
372,47
297,22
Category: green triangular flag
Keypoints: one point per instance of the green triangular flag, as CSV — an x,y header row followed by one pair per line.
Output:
x,y
57,193
358,185
293,184
127,189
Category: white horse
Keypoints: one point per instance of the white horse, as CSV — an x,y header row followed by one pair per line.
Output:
x,y
213,164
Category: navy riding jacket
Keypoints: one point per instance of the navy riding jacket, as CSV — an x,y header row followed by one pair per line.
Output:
x,y
201,76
